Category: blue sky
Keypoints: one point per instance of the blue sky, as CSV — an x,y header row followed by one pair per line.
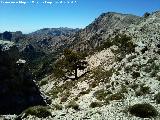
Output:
x,y
30,17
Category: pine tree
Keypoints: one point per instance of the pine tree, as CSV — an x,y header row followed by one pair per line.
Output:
x,y
70,64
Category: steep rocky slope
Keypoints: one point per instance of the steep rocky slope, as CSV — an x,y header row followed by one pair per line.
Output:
x,y
113,84
43,46
123,72
106,25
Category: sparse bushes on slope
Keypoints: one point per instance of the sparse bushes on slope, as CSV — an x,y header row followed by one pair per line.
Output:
x,y
59,89
101,75
143,110
123,42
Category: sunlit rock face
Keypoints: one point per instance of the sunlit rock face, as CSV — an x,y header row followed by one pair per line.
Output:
x,y
17,89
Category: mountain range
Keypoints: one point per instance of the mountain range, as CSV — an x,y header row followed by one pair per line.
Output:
x,y
123,67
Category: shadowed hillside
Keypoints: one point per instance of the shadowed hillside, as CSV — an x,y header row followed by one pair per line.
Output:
x,y
18,91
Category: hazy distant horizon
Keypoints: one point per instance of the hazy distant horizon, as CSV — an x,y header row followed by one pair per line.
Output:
x,y
31,17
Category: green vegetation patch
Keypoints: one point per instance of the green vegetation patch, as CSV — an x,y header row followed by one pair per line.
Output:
x,y
96,104
38,111
43,82
143,90
101,75
70,64
123,42
116,96
124,89
60,89
157,98
73,105
134,86
65,96
57,107
135,75
100,94
84,92
143,110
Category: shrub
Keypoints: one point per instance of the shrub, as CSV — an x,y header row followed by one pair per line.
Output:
x,y
48,100
64,98
100,94
73,105
158,51
43,82
124,89
103,46
128,69
158,77
38,111
54,92
147,14
143,110
57,107
131,57
150,61
101,75
144,50
135,75
155,66
147,69
84,92
93,84
134,86
124,43
143,90
96,104
153,73
157,98
116,96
